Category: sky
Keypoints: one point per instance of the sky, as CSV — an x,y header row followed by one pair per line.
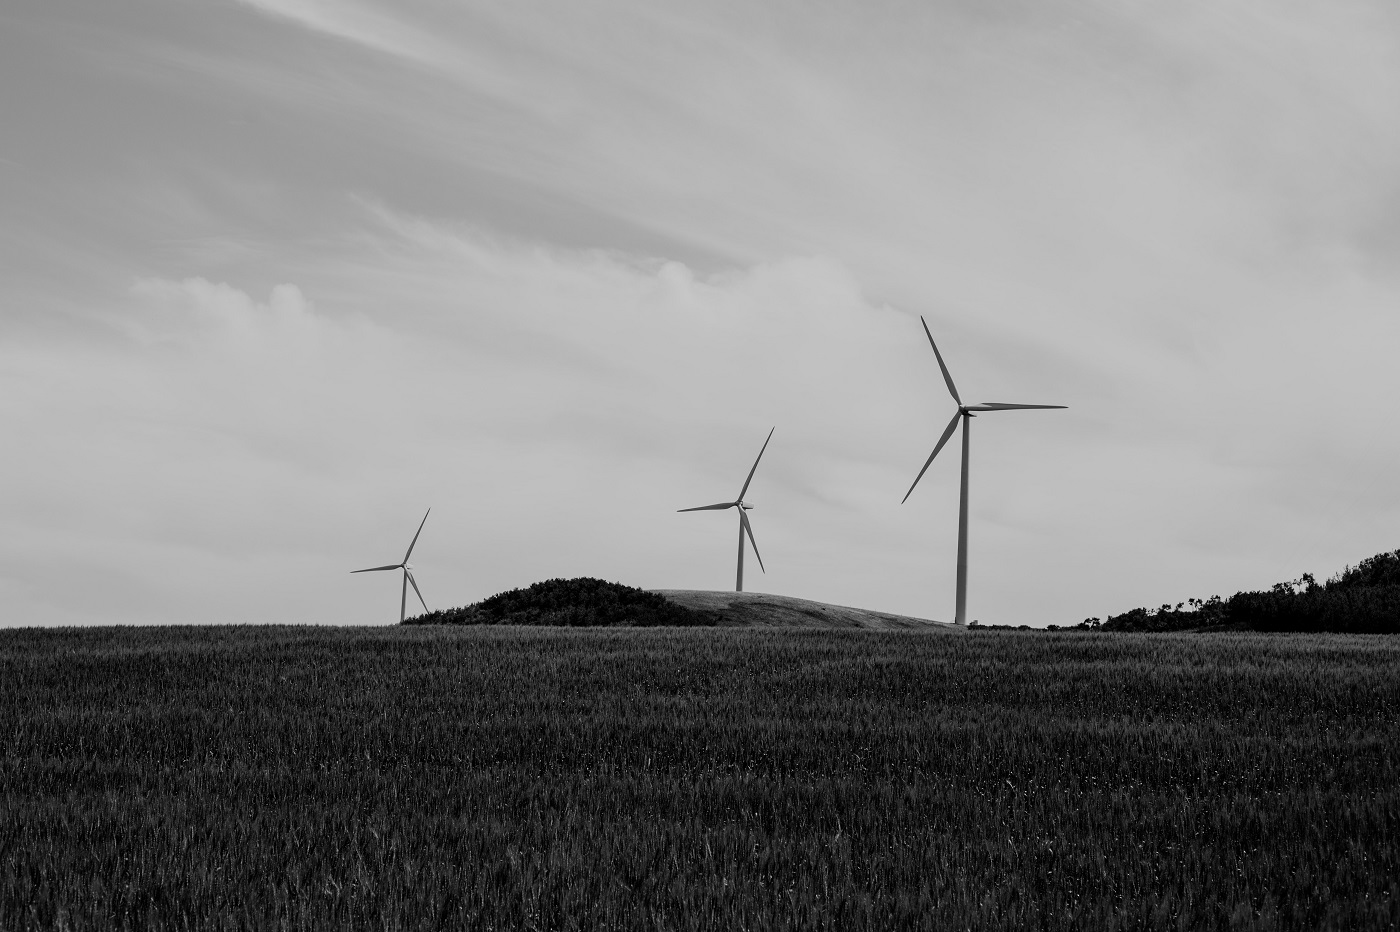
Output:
x,y
277,276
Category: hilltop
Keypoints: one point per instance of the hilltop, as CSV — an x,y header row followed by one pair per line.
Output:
x,y
588,602
579,602
763,610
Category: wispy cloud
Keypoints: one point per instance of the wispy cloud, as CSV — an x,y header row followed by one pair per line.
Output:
x,y
552,267
365,24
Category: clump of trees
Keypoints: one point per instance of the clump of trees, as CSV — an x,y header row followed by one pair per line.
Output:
x,y
1361,599
575,602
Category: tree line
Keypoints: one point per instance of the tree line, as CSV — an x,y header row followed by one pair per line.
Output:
x,y
1360,599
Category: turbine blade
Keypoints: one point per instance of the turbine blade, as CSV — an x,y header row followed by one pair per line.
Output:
x,y
755,466
415,536
375,569
720,507
948,432
952,389
1000,406
414,583
748,529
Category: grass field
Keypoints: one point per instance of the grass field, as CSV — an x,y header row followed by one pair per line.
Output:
x,y
414,778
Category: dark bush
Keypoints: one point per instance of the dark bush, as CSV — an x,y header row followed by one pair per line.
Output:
x,y
1362,599
572,602
1358,609
1381,570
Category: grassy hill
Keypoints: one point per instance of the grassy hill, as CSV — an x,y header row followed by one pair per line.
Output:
x,y
762,610
580,602
587,602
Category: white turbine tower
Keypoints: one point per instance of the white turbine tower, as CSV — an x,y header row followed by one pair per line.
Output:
x,y
407,572
965,414
744,527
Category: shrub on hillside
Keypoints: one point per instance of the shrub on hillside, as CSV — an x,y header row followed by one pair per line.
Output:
x,y
573,602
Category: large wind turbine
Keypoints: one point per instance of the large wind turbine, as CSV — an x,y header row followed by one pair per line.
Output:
x,y
407,572
965,414
744,527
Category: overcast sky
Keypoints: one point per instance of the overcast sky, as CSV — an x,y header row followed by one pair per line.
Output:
x,y
278,275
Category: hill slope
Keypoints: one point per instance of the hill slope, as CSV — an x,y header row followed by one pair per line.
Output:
x,y
762,610
587,602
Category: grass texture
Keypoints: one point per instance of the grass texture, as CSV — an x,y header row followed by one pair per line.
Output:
x,y
512,778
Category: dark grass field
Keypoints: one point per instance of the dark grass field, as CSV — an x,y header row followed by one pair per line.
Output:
x,y
489,778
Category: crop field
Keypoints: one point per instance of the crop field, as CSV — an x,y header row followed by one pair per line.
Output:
x,y
508,778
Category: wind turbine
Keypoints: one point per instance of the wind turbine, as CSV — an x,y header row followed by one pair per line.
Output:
x,y
965,414
407,572
744,527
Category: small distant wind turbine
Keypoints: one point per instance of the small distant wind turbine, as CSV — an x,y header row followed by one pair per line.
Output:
x,y
744,527
966,414
407,572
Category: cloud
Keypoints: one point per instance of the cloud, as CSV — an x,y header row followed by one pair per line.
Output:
x,y
553,270
554,406
361,23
